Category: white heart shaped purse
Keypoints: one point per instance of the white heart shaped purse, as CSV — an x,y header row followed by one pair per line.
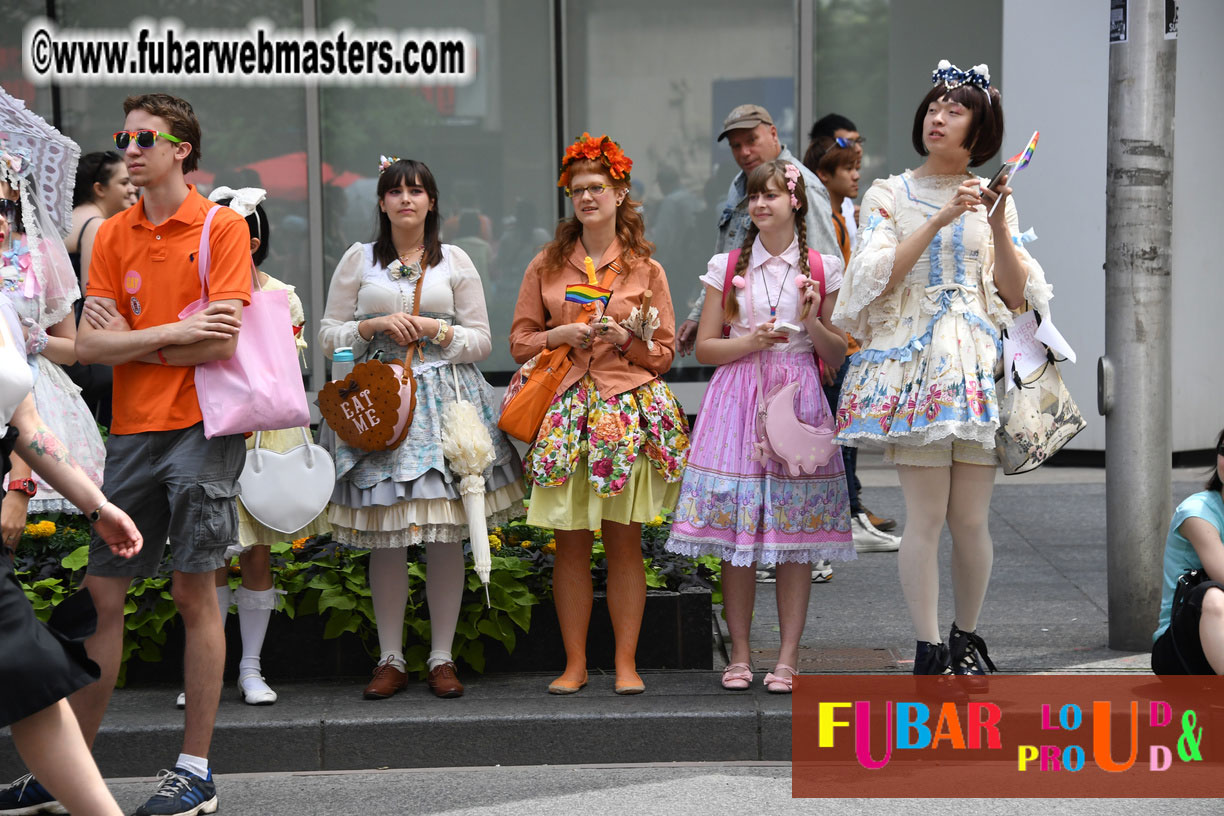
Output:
x,y
286,491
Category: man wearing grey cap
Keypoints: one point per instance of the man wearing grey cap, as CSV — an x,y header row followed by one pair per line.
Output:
x,y
753,139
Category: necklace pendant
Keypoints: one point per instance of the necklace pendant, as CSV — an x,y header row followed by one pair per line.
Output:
x,y
773,311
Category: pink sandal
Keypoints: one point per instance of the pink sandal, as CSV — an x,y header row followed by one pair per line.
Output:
x,y
737,676
776,684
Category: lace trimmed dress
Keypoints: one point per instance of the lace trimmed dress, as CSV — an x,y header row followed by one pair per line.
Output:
x,y
57,397
407,495
926,371
730,504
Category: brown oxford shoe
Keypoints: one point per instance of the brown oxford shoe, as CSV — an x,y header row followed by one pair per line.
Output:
x,y
443,681
386,681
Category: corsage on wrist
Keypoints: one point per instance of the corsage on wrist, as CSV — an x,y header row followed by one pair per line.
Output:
x,y
440,337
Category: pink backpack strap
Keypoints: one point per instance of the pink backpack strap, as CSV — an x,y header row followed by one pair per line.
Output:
x,y
204,257
816,267
732,260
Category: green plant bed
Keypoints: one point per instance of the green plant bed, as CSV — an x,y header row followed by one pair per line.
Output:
x,y
327,598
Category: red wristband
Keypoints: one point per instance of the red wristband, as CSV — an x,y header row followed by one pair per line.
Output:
x,y
162,357
625,348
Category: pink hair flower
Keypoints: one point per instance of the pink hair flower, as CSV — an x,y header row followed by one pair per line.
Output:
x,y
739,282
802,280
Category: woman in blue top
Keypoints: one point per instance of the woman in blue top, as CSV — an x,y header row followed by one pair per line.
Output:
x,y
1193,643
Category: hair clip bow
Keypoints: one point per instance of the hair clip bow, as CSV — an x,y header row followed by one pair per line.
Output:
x,y
386,161
243,200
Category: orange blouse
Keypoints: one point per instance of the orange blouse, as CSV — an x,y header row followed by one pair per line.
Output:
x,y
542,306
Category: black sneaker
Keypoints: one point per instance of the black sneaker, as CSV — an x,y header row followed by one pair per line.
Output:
x,y
25,797
970,660
181,793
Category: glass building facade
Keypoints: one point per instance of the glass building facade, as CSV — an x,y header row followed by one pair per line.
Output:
x,y
657,76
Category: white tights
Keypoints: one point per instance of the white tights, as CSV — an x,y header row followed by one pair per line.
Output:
x,y
961,496
444,579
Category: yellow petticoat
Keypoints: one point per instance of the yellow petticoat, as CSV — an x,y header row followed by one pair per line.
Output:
x,y
575,505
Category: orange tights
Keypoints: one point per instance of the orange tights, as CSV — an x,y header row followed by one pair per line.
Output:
x,y
626,597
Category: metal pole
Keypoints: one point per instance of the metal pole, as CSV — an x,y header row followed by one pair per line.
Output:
x,y
1136,381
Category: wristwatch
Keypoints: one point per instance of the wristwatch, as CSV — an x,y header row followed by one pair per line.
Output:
x,y
26,486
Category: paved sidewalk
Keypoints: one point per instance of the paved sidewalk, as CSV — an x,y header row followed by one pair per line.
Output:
x,y
1046,612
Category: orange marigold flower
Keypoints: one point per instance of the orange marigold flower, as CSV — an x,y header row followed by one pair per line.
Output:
x,y
603,150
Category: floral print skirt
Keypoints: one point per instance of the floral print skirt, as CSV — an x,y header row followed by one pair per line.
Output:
x,y
617,459
744,512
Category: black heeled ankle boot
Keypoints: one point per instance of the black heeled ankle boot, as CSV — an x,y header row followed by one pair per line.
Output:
x,y
970,660
933,665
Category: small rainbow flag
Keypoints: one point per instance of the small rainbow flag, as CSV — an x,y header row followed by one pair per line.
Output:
x,y
586,293
1021,159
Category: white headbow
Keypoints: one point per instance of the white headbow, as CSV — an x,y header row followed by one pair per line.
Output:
x,y
242,201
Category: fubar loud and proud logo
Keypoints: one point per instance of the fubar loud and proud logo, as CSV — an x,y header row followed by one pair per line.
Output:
x,y
1024,736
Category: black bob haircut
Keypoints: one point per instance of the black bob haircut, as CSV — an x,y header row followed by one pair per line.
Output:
x,y
986,128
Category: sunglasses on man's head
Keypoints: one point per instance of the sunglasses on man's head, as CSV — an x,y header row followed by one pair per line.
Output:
x,y
144,138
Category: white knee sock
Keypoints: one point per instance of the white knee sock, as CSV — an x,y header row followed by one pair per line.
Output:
x,y
254,609
444,579
388,571
926,503
972,549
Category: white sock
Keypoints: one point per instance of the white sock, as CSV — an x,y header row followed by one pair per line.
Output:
x,y
394,657
388,572
193,764
254,609
444,580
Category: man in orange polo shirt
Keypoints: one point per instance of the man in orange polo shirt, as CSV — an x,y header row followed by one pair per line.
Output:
x,y
176,485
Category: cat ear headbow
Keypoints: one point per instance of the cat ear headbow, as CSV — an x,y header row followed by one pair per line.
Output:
x,y
953,77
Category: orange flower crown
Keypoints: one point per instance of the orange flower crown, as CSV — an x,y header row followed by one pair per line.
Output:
x,y
601,149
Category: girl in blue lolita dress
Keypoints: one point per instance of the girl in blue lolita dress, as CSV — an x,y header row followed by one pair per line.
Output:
x,y
388,501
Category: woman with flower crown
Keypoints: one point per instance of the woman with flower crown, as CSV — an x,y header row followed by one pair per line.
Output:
x,y
934,280
612,447
389,500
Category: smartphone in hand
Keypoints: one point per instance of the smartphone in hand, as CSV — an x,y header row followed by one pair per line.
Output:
x,y
1000,177
785,328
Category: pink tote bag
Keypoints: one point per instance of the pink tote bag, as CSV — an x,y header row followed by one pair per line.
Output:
x,y
259,388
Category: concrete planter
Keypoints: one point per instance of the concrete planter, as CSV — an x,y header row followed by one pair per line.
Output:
x,y
676,634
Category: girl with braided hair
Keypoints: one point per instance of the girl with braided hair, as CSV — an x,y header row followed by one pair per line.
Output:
x,y
737,505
